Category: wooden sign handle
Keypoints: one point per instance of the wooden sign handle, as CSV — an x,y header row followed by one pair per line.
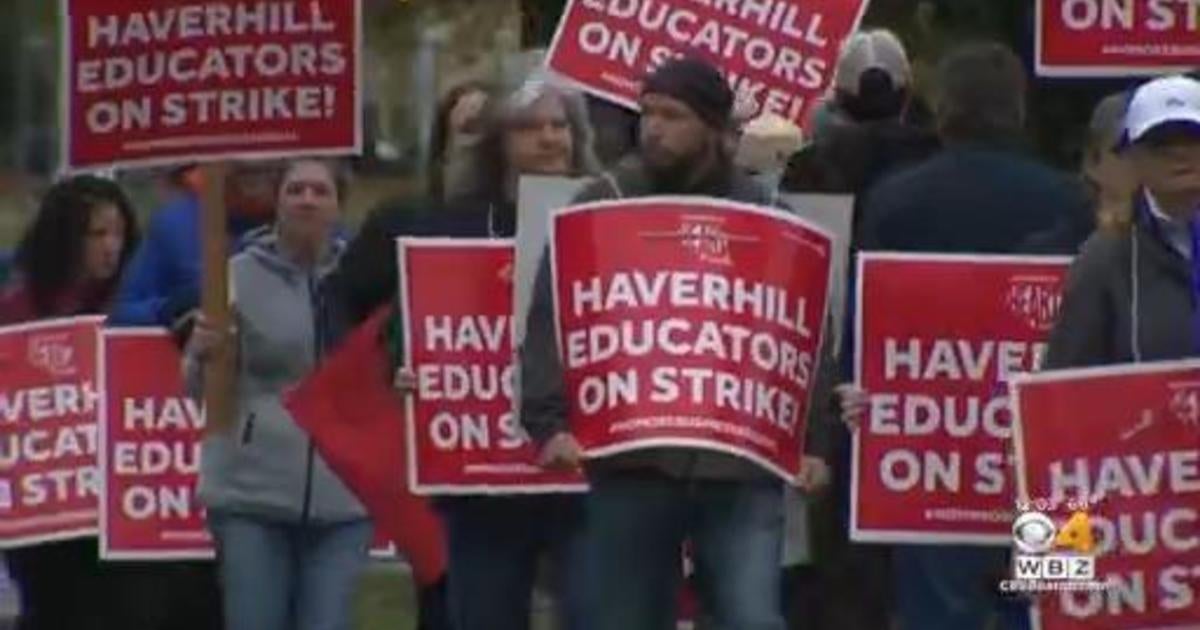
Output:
x,y
214,300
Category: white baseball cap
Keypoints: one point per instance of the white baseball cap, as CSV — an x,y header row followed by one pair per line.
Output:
x,y
1170,100
872,50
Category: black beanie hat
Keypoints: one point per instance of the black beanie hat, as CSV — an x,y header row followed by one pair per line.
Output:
x,y
696,83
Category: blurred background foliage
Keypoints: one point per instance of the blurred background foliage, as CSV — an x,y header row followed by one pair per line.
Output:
x,y
417,49
1059,109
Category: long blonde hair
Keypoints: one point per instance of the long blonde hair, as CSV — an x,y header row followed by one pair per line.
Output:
x,y
1104,132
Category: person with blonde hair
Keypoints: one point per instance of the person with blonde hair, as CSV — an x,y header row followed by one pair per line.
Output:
x,y
1106,172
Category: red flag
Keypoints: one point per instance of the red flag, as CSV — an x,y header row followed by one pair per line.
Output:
x,y
357,421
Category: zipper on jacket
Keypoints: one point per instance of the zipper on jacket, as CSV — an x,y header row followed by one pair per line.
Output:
x,y
318,339
248,429
308,485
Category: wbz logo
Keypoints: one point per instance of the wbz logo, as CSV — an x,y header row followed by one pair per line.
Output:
x,y
1058,566
1035,537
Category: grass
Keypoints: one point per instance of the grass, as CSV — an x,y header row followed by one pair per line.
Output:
x,y
386,600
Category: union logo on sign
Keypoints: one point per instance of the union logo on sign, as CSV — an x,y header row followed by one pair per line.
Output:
x,y
706,238
52,353
1185,406
1035,301
506,273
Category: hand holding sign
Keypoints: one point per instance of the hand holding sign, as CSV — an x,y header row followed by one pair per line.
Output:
x,y
853,403
561,452
930,453
405,381
814,474
459,377
206,340
690,323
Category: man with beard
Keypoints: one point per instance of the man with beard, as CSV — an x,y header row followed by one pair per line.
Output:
x,y
644,504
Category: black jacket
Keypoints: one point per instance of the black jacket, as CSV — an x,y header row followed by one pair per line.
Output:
x,y
544,406
367,276
851,158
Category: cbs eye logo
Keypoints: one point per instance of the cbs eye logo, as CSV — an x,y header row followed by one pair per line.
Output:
x,y
1034,532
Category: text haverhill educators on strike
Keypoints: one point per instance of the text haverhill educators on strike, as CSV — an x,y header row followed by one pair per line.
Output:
x,y
215,63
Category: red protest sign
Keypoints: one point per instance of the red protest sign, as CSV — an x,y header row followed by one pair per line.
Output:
x,y
48,397
1082,38
690,322
150,440
463,434
157,81
781,53
1123,444
938,339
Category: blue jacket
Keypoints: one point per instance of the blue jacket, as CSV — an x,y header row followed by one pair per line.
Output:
x,y
162,281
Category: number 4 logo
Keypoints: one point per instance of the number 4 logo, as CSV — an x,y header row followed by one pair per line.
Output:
x,y
1076,534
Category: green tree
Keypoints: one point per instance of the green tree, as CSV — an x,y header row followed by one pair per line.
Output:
x,y
1059,109
539,18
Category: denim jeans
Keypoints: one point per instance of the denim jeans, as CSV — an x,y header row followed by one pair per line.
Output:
x,y
495,544
635,527
285,576
954,588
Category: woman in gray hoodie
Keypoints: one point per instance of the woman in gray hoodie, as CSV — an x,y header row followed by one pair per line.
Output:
x,y
291,539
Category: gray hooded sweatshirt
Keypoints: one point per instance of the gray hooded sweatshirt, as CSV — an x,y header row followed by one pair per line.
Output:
x,y
267,466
